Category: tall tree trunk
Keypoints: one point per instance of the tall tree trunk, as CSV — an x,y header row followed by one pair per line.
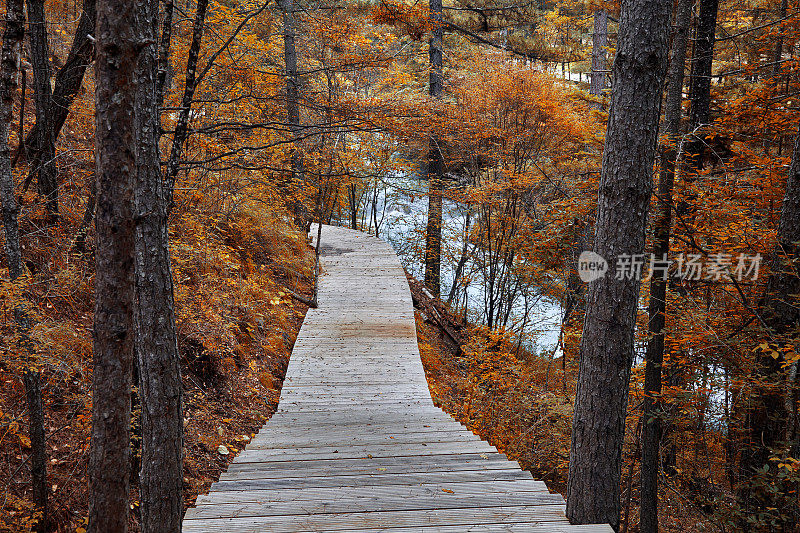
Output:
x,y
160,389
42,159
293,188
163,54
771,412
652,423
119,42
700,85
69,77
774,80
606,350
573,300
79,244
33,395
778,53
353,207
182,124
433,232
462,260
599,53
9,61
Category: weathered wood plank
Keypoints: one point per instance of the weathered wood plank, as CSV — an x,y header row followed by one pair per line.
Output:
x,y
375,479
306,442
552,527
278,504
539,515
408,491
376,465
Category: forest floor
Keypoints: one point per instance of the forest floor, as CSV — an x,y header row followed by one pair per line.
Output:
x,y
236,325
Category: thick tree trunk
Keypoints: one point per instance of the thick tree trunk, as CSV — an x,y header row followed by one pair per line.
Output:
x,y
293,187
118,45
598,429
42,158
161,479
700,83
9,61
36,432
433,232
182,124
599,53
652,423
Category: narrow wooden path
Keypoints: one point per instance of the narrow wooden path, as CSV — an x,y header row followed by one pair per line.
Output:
x,y
357,444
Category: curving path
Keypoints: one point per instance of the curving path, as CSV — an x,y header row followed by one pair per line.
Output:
x,y
356,443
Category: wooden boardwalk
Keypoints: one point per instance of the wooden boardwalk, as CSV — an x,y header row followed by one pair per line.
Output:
x,y
356,443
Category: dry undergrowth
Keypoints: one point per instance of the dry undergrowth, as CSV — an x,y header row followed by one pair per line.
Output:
x,y
520,403
236,327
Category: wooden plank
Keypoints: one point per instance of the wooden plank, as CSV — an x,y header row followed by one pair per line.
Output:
x,y
356,451
421,426
538,515
365,416
375,479
409,491
281,503
424,463
551,527
261,443
377,432
363,475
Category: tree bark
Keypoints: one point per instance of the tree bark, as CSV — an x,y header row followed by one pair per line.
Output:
x,y
182,125
79,244
778,53
293,187
593,491
163,54
700,86
118,45
69,77
160,390
462,261
771,416
33,395
42,157
433,232
599,53
652,423
353,207
9,61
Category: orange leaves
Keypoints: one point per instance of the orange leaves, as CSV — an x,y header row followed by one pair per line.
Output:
x,y
497,395
504,115
414,20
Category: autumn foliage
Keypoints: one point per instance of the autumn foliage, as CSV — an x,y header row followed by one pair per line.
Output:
x,y
521,142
